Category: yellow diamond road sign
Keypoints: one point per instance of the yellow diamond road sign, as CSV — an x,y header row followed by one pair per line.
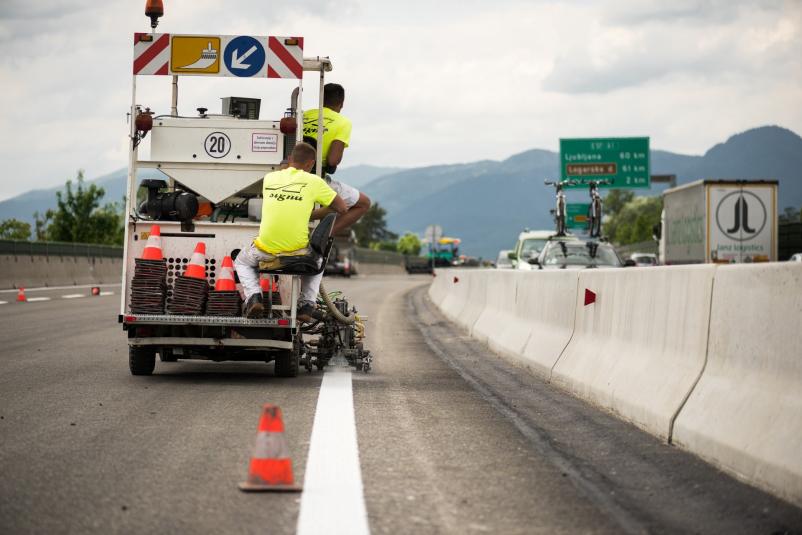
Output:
x,y
195,54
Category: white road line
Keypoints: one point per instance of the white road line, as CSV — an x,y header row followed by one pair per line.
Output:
x,y
72,296
106,293
37,299
332,501
3,302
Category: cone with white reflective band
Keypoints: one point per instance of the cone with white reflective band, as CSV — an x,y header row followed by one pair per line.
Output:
x,y
225,300
153,247
270,468
191,289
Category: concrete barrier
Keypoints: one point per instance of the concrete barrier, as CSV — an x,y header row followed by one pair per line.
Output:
x,y
438,290
639,349
545,313
476,281
499,307
31,271
745,414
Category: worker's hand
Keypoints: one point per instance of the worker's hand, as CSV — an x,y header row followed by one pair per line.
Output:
x,y
338,205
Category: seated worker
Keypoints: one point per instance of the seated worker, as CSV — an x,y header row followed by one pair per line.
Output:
x,y
289,197
336,137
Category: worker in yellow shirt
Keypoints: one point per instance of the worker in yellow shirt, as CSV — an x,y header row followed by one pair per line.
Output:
x,y
336,137
289,197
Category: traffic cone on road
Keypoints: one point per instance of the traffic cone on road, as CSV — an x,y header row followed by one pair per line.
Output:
x,y
153,248
270,467
197,264
225,280
21,296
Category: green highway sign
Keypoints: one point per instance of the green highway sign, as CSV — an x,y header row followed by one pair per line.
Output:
x,y
576,215
622,160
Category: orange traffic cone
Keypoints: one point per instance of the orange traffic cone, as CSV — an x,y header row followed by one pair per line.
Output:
x,y
21,296
196,269
153,248
225,281
271,467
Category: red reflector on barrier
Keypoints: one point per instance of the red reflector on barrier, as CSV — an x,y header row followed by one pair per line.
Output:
x,y
129,319
590,297
456,280
283,322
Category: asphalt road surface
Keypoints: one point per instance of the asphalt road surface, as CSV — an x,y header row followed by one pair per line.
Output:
x,y
451,438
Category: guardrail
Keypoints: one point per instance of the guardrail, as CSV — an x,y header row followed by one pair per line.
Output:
x,y
43,248
370,256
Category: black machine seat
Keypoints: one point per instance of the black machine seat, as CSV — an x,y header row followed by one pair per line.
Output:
x,y
309,261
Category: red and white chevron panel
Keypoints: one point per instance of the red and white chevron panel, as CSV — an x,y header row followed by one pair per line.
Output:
x,y
283,60
151,56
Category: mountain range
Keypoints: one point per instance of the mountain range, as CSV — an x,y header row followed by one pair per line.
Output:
x,y
487,203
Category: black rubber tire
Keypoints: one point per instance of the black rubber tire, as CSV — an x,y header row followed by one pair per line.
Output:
x,y
141,360
287,363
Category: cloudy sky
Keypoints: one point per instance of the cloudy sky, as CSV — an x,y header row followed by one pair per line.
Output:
x,y
427,81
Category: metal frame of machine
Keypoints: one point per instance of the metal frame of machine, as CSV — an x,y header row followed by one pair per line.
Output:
x,y
224,180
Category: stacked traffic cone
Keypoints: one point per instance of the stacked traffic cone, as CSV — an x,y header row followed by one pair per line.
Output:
x,y
225,299
190,289
21,296
149,284
270,467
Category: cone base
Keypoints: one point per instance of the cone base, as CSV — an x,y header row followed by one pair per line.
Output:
x,y
247,486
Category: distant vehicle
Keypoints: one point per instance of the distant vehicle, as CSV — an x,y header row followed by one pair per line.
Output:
x,y
644,259
576,254
341,258
529,245
504,261
719,221
796,257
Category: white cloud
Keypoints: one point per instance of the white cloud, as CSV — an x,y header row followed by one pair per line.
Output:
x,y
426,82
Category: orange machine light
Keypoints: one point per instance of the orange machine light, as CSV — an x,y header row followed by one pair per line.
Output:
x,y
154,9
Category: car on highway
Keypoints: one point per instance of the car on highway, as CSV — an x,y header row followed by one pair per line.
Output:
x,y
576,254
503,261
796,257
529,245
644,259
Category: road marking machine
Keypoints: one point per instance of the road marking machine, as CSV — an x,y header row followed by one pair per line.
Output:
x,y
180,298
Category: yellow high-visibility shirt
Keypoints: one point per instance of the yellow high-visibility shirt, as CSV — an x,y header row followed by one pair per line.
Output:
x,y
337,127
289,196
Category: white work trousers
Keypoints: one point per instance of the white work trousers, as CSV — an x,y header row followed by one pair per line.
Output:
x,y
247,266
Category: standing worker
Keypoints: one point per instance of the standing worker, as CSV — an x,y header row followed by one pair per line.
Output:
x,y
289,197
336,137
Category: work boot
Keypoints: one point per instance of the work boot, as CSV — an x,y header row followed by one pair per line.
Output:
x,y
254,307
308,313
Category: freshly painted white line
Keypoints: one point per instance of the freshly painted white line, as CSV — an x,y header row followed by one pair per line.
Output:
x,y
72,296
106,293
36,299
332,502
43,288
3,302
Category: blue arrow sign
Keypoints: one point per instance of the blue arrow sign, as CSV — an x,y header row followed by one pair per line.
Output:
x,y
244,56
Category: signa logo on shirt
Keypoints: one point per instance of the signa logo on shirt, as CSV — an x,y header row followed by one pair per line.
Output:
x,y
286,192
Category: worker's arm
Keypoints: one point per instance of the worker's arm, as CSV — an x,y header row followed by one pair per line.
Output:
x,y
337,205
335,155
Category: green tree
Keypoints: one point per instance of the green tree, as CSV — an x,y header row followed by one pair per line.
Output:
x,y
791,215
373,227
634,222
80,218
14,229
409,244
614,202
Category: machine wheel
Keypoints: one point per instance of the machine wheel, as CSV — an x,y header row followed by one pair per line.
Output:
x,y
141,360
288,362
